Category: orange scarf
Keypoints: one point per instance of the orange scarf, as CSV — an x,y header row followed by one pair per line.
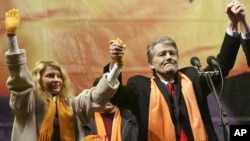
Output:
x,y
159,110
66,121
101,131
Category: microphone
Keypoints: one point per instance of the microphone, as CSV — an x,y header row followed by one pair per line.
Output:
x,y
212,61
196,62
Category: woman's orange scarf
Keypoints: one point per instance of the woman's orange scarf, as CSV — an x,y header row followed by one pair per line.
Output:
x,y
101,131
160,126
66,121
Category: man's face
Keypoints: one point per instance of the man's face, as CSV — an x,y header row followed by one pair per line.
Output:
x,y
109,108
164,61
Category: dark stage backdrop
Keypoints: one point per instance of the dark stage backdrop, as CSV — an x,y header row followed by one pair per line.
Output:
x,y
235,102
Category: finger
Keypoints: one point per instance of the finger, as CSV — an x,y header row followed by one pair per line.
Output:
x,y
112,41
16,11
116,47
238,10
117,41
116,53
12,13
230,5
6,15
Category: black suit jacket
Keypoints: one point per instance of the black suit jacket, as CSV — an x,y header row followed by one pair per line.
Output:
x,y
135,95
246,49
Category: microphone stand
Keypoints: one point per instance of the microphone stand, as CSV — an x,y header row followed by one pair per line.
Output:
x,y
208,74
223,114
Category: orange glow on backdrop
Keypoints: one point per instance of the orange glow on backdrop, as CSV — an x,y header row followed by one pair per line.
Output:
x,y
76,33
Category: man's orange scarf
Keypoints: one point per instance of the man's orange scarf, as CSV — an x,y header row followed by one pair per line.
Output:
x,y
101,131
66,121
160,126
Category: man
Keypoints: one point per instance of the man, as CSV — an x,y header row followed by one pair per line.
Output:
x,y
185,115
112,124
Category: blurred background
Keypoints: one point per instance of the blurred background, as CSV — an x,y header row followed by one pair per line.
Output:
x,y
77,33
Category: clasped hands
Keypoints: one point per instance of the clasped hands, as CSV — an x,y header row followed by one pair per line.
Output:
x,y
116,50
236,11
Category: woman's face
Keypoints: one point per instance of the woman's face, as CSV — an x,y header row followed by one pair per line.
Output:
x,y
51,80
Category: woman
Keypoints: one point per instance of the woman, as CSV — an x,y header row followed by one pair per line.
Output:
x,y
43,102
